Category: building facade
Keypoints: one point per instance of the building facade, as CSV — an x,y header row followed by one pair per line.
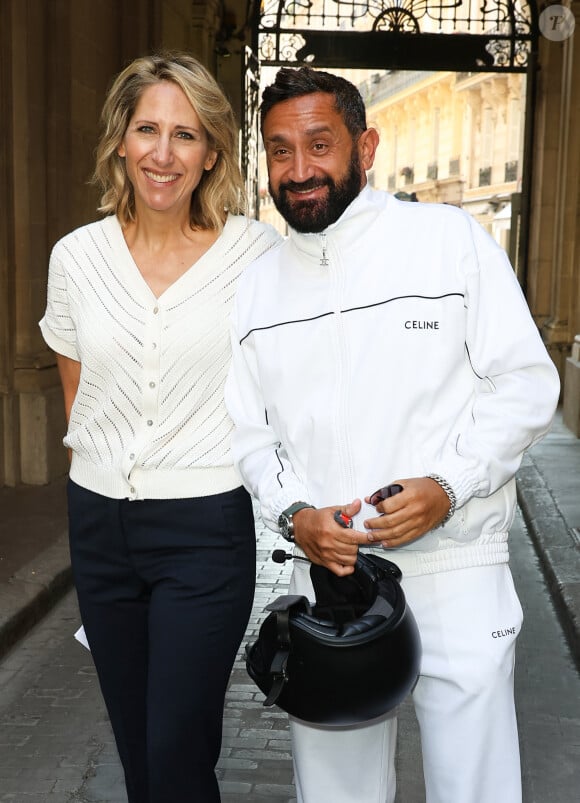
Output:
x,y
56,61
452,138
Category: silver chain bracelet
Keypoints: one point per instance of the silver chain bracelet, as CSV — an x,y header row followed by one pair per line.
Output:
x,y
450,493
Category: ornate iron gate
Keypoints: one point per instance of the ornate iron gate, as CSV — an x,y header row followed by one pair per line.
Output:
x,y
455,35
250,132
459,35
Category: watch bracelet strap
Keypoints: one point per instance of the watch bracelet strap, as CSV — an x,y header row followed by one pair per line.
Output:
x,y
450,495
289,512
295,507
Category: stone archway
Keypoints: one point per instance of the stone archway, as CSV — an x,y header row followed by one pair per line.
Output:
x,y
463,36
460,35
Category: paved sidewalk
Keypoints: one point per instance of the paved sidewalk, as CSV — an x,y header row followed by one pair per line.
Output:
x,y
56,744
256,759
49,681
35,569
34,557
549,496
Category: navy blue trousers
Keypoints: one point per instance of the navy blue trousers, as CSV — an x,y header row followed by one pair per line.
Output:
x,y
165,590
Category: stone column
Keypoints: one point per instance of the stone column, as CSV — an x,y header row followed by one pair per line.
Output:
x,y
57,60
571,406
8,431
36,450
554,247
204,25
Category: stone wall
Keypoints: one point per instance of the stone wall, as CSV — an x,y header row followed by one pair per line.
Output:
x,y
57,61
554,255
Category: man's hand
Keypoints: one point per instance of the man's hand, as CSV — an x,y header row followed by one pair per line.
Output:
x,y
420,506
324,541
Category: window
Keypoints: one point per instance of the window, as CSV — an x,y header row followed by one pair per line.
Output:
x,y
436,134
514,123
487,138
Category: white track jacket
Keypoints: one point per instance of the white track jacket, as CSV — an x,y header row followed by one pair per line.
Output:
x,y
395,344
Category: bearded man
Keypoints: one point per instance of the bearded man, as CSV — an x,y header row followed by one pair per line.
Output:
x,y
388,343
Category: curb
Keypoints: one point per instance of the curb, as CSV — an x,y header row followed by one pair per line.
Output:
x,y
558,553
32,591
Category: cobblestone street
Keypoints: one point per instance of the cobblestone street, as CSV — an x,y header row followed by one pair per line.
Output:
x,y
56,746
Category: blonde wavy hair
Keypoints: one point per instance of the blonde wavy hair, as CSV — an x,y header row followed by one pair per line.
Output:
x,y
221,189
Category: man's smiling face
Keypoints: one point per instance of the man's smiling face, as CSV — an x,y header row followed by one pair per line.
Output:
x,y
314,167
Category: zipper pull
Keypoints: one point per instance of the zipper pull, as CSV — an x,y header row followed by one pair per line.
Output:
x,y
324,263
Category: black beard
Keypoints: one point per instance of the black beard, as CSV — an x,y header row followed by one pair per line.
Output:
x,y
313,216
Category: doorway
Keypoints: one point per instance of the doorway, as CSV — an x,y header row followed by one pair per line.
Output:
x,y
449,84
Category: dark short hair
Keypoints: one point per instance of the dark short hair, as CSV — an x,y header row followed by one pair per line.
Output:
x,y
295,83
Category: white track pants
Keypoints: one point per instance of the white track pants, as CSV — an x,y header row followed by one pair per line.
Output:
x,y
469,620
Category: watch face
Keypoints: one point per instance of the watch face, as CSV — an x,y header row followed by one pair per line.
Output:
x,y
285,524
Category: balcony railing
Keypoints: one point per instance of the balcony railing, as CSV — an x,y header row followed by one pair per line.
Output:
x,y
454,166
391,182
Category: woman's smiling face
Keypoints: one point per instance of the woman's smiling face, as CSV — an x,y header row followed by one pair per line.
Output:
x,y
166,150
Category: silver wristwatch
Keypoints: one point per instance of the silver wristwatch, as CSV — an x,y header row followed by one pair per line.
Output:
x,y
285,522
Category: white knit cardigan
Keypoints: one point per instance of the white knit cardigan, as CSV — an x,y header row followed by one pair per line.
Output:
x,y
149,420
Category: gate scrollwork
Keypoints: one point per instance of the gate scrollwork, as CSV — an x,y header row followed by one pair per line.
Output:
x,y
494,34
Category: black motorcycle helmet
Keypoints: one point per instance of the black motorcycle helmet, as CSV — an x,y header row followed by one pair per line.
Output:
x,y
351,657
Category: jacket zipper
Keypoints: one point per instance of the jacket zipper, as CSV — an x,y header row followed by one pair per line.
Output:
x,y
324,263
346,471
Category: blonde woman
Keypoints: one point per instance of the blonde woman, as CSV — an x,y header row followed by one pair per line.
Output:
x,y
161,529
